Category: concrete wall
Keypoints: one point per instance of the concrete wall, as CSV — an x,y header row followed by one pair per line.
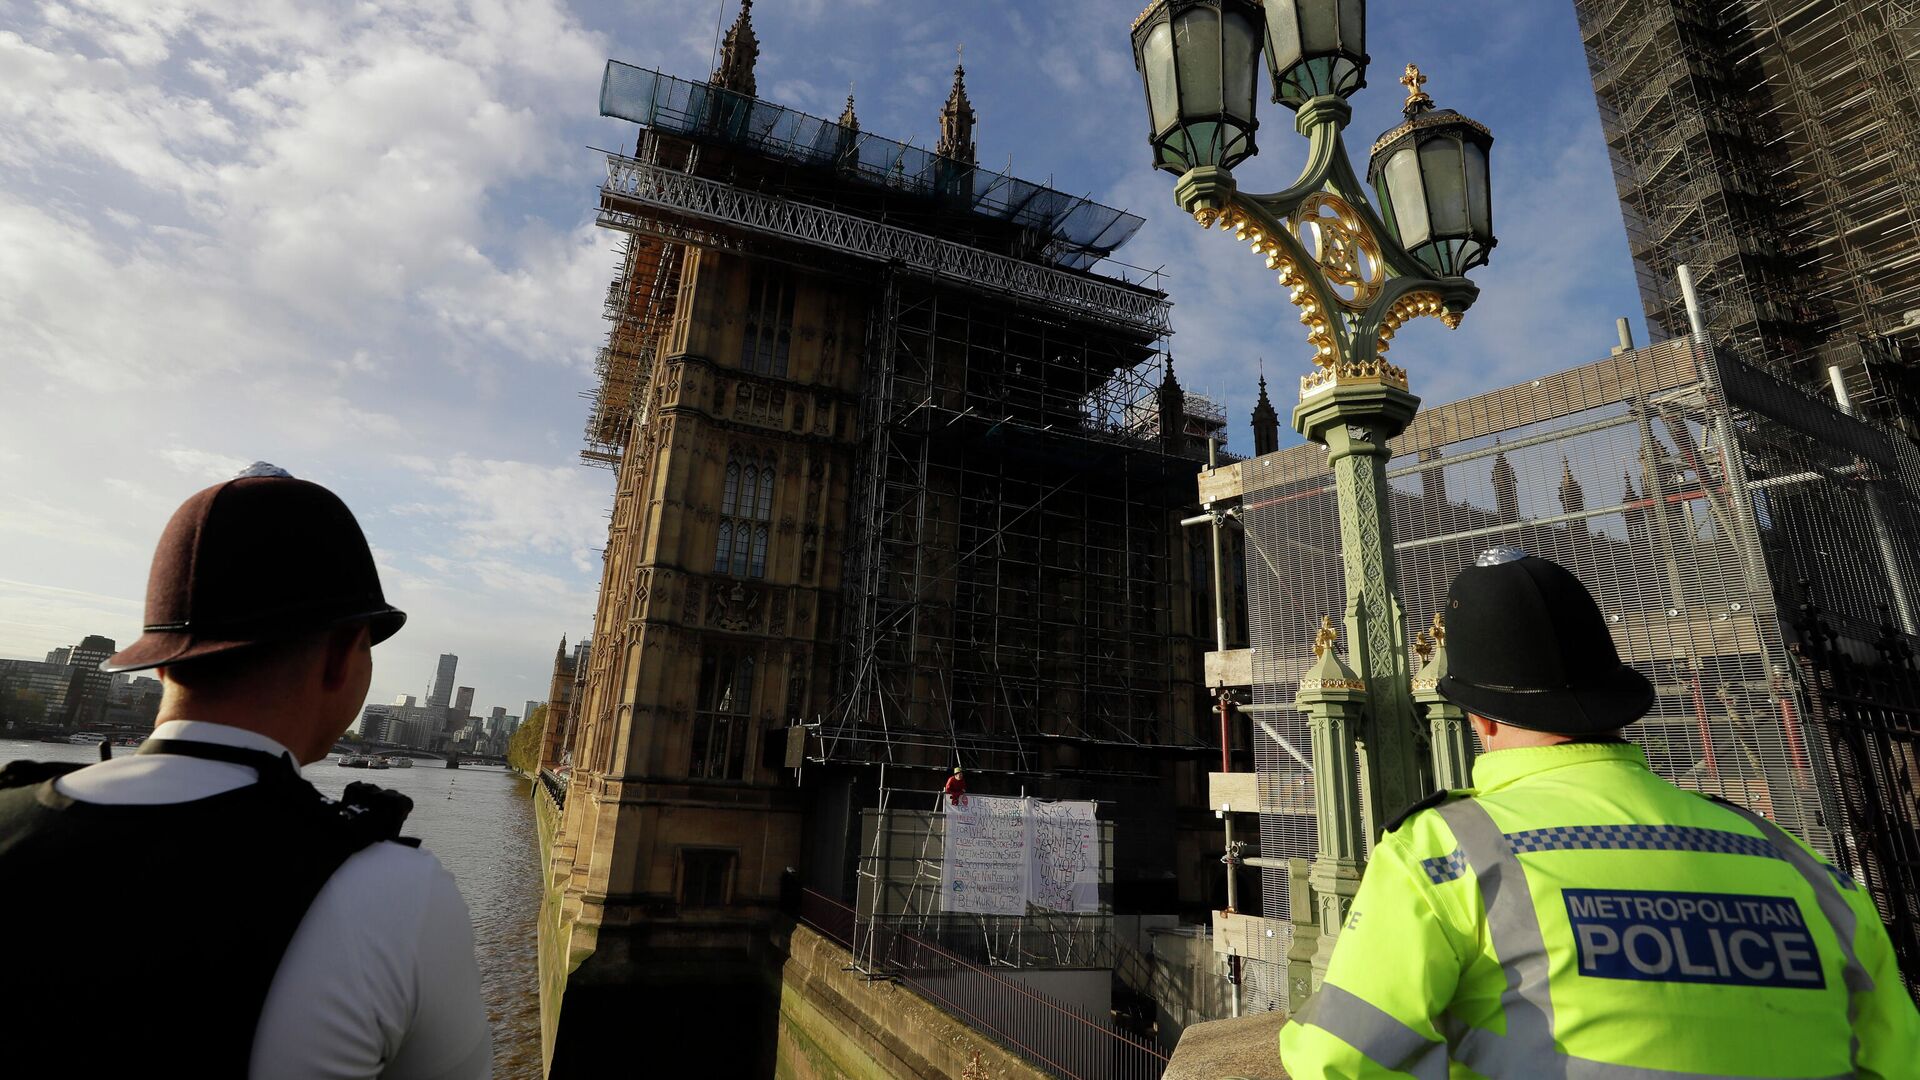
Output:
x,y
1189,980
837,1025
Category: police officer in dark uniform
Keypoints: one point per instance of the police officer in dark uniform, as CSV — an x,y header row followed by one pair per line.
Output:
x,y
271,932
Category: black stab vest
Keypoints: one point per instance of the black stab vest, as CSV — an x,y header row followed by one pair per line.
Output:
x,y
142,940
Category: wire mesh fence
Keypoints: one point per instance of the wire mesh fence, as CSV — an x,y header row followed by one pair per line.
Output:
x,y
1702,502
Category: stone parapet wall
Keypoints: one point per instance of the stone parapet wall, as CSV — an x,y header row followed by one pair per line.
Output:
x,y
835,1024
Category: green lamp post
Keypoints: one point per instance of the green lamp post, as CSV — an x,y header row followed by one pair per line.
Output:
x,y
1356,275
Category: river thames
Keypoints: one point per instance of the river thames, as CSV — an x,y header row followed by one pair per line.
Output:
x,y
479,822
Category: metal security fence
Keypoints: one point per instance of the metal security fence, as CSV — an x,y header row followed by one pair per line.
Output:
x,y
1706,505
556,787
1062,1041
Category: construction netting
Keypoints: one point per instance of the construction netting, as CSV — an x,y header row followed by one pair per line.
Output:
x,y
1077,232
1700,500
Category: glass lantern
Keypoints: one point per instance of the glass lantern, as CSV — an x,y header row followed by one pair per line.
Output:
x,y
1316,48
1197,60
1430,176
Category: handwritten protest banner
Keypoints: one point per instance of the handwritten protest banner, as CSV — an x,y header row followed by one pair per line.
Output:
x,y
1001,854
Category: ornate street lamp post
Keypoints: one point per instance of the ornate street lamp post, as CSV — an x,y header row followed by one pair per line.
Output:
x,y
1356,276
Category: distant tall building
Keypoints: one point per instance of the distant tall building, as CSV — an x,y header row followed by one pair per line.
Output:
x,y
442,692
87,702
374,720
34,691
60,656
462,702
1769,145
526,712
133,701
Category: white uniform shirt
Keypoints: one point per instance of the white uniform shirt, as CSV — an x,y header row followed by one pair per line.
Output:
x,y
380,978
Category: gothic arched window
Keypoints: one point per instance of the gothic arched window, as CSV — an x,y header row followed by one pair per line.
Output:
x,y
746,506
769,323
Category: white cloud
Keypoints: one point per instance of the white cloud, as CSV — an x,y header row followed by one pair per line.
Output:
x,y
35,618
508,506
202,464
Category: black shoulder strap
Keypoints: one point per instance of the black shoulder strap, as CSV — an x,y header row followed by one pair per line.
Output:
x,y
259,760
370,813
29,773
1427,803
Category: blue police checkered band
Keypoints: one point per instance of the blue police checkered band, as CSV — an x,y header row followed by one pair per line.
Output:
x,y
1445,868
1639,838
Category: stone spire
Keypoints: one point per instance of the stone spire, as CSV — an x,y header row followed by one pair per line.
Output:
x,y
956,122
1506,489
737,54
1173,413
1573,498
1636,514
1266,423
847,119
1433,481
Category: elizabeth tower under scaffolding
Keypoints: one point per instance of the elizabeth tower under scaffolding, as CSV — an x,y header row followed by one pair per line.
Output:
x,y
1769,145
900,469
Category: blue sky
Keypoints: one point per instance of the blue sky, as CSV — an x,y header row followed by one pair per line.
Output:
x,y
356,240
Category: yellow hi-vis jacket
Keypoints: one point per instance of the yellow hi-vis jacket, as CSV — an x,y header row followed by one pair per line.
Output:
x,y
1575,916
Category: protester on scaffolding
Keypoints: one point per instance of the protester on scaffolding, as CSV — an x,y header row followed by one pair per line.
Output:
x,y
268,931
956,788
1574,914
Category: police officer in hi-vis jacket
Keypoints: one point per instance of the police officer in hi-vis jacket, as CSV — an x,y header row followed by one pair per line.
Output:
x,y
1575,916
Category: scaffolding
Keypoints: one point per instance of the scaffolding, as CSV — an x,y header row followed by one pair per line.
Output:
x,y
1705,503
1017,596
1015,567
1768,145
1055,227
639,302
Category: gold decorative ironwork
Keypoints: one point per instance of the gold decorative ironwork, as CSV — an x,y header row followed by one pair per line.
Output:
x,y
1363,371
1326,659
1343,246
1348,256
1299,292
1409,307
1325,637
1417,98
1438,631
1422,647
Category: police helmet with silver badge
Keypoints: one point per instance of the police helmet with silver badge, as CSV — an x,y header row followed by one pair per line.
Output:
x,y
1527,646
